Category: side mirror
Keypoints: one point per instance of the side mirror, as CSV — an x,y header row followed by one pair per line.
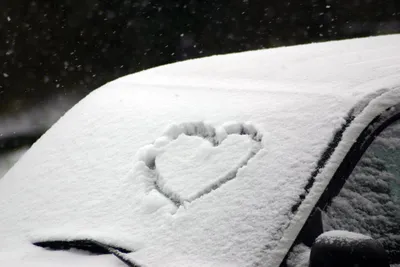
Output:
x,y
347,249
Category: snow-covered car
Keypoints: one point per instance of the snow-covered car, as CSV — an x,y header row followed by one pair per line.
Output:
x,y
233,160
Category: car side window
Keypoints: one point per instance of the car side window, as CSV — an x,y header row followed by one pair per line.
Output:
x,y
369,202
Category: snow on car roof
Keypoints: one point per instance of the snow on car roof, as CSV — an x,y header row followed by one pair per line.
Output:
x,y
197,163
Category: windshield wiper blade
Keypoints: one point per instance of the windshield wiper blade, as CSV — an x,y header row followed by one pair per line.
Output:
x,y
117,253
89,245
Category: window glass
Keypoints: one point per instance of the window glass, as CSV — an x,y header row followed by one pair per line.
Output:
x,y
369,202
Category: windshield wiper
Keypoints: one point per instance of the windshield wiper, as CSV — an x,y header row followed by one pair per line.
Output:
x,y
91,246
117,253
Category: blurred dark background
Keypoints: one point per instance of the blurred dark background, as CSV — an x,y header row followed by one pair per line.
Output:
x,y
54,51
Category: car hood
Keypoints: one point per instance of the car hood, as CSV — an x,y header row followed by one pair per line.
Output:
x,y
198,163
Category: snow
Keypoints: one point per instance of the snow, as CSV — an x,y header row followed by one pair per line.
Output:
x,y
184,168
378,105
369,202
299,256
93,174
37,257
341,235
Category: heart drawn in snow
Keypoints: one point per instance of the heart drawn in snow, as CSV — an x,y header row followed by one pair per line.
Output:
x,y
192,159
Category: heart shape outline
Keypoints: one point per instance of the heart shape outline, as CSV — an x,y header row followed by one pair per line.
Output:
x,y
147,155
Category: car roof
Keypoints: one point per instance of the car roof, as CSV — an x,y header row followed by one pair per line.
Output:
x,y
337,68
200,162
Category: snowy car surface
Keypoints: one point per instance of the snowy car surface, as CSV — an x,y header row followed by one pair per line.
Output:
x,y
210,162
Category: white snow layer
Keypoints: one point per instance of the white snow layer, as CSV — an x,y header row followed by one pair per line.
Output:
x,y
127,165
184,167
341,235
369,202
299,256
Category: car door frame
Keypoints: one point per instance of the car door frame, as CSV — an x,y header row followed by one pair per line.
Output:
x,y
346,167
